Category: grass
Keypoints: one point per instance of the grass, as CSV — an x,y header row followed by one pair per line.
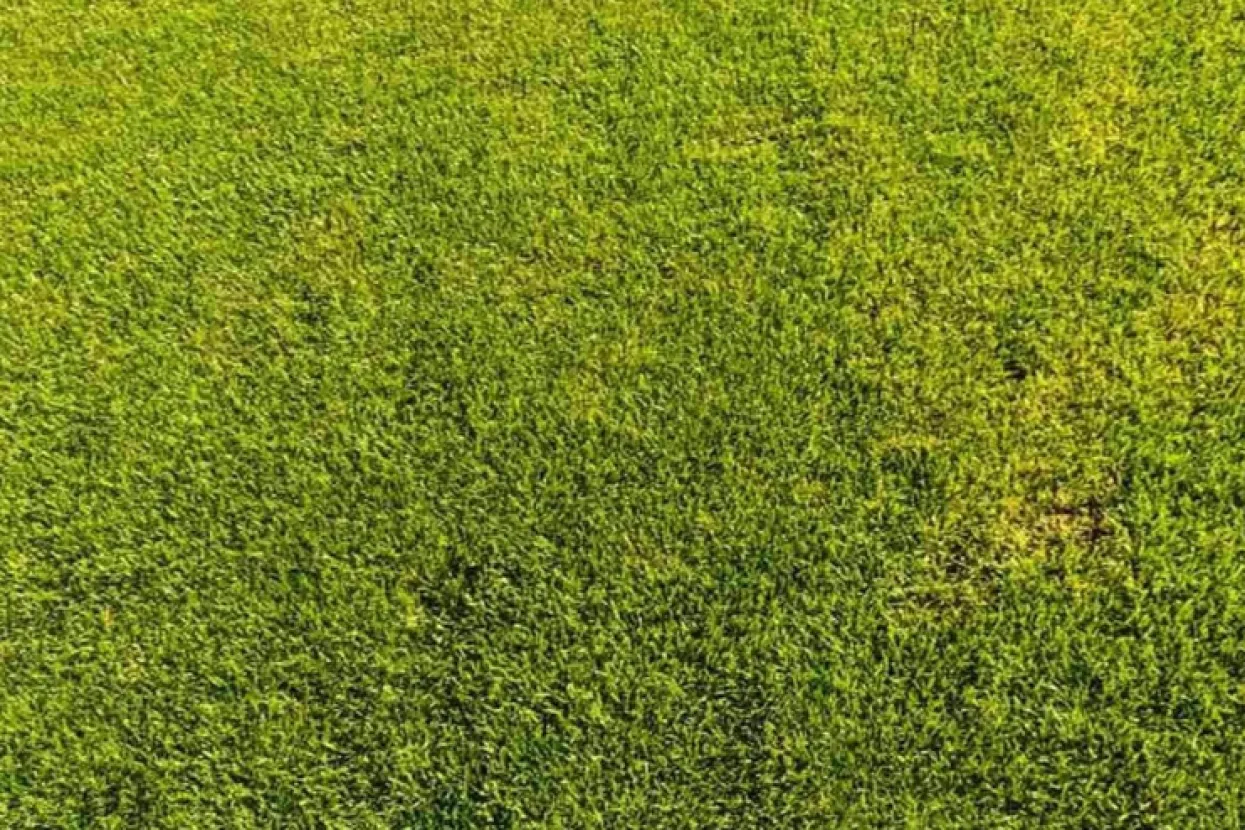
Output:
x,y
500,413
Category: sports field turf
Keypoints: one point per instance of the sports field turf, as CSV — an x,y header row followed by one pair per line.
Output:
x,y
498,413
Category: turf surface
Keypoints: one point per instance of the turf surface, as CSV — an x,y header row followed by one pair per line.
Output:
x,y
496,413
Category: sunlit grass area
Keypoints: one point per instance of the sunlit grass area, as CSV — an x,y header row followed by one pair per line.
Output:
x,y
500,413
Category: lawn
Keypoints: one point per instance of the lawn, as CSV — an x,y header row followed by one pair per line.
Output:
x,y
645,414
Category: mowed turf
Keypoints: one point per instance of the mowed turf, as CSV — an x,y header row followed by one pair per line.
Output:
x,y
497,413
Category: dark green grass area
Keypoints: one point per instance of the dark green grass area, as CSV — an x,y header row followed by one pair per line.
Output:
x,y
499,413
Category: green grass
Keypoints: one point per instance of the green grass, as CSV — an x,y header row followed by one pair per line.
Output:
x,y
499,413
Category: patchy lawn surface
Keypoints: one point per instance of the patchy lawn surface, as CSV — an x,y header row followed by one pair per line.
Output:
x,y
500,413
